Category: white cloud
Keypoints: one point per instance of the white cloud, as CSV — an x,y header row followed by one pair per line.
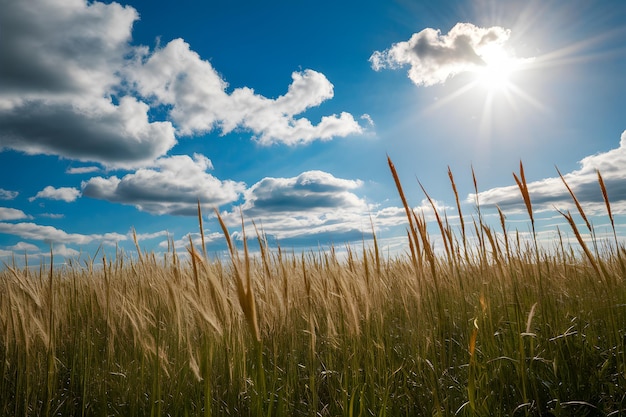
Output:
x,y
550,192
172,186
69,75
82,170
52,215
314,205
8,195
51,234
178,77
148,236
64,251
61,65
67,194
433,57
23,247
12,214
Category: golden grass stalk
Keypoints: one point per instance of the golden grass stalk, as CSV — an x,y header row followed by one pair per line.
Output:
x,y
458,206
504,232
439,222
605,196
578,206
479,232
244,293
201,231
416,254
583,245
523,187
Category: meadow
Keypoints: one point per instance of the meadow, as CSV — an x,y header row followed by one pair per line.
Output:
x,y
490,325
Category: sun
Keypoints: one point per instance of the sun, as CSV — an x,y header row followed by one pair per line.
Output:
x,y
496,73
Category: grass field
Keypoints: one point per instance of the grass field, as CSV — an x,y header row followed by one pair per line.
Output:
x,y
491,326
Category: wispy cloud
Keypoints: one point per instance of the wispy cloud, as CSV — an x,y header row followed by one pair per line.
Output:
x,y
551,192
172,186
8,195
82,170
51,234
67,194
7,213
52,215
433,58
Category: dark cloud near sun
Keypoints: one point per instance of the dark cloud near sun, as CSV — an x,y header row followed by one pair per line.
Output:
x,y
433,58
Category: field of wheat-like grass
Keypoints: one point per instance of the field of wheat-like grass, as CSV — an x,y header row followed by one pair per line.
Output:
x,y
489,326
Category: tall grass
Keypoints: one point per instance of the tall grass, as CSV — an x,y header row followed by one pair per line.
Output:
x,y
492,328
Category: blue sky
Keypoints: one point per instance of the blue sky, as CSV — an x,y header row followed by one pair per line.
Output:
x,y
116,116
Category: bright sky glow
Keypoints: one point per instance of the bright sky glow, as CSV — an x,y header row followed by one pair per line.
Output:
x,y
121,116
499,66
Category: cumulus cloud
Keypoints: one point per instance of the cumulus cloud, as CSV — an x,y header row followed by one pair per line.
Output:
x,y
176,76
7,195
23,247
60,69
314,205
67,194
172,186
70,80
49,234
433,57
7,213
550,192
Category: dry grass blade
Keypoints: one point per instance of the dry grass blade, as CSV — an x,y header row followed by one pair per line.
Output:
x,y
578,206
523,187
439,222
201,230
582,243
194,259
458,206
244,295
504,232
409,213
605,196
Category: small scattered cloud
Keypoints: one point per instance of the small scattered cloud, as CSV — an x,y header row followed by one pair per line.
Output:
x,y
82,170
433,58
172,186
548,193
23,247
7,213
64,251
52,215
8,195
49,234
148,236
67,194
